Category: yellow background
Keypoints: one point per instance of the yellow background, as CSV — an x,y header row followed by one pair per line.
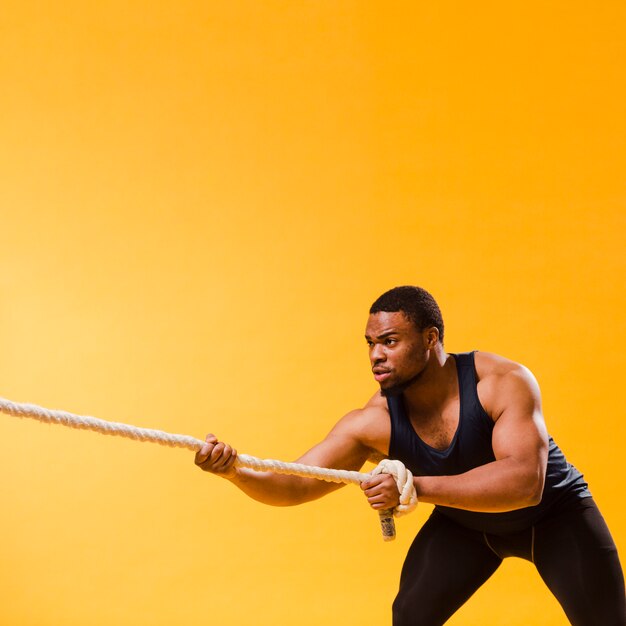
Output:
x,y
200,200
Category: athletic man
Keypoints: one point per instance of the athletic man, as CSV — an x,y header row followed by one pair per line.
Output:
x,y
470,428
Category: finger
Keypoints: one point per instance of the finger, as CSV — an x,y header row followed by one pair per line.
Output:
x,y
370,482
377,490
379,479
203,454
220,462
379,503
383,503
218,448
233,455
379,497
380,506
230,462
205,450
210,441
224,457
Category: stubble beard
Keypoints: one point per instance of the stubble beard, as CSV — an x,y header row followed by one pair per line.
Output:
x,y
399,388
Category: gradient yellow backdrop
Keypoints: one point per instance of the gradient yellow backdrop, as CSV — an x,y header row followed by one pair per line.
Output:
x,y
200,200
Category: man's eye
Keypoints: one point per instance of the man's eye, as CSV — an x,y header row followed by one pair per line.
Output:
x,y
390,342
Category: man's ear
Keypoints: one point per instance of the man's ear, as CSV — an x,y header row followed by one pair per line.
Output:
x,y
431,336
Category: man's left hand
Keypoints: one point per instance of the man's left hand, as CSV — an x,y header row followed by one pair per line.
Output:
x,y
381,492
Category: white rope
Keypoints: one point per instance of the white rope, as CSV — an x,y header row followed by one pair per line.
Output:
x,y
403,477
404,482
85,422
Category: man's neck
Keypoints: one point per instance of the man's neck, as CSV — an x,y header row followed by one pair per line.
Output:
x,y
431,391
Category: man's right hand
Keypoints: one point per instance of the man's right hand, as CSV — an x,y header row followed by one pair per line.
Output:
x,y
217,457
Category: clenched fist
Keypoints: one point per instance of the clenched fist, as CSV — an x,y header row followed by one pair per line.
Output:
x,y
217,457
381,492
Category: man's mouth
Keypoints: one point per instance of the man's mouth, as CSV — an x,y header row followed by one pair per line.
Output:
x,y
380,375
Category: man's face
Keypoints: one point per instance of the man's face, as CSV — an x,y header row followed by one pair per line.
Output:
x,y
397,350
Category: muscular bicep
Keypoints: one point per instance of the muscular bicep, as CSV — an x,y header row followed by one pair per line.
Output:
x,y
345,446
520,432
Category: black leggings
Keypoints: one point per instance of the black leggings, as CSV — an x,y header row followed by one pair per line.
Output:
x,y
572,550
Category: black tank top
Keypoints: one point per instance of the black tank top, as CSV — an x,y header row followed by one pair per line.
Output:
x,y
471,447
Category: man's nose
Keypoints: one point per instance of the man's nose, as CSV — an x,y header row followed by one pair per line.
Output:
x,y
377,354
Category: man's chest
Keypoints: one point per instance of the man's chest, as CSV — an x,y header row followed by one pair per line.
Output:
x,y
438,430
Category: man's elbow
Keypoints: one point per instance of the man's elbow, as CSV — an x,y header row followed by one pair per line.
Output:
x,y
533,489
529,483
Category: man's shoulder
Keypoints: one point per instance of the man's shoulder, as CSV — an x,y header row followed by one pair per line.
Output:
x,y
369,425
490,365
501,380
374,411
377,401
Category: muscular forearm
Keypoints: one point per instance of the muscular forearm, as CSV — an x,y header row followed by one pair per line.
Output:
x,y
504,485
277,489
219,459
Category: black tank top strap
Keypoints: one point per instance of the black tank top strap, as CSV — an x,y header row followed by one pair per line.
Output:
x,y
468,386
402,442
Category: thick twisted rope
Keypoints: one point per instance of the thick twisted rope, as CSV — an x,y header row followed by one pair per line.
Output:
x,y
404,482
403,477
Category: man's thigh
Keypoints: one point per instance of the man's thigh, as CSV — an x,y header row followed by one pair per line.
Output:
x,y
445,565
577,558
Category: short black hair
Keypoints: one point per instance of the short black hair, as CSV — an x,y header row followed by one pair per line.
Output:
x,y
416,303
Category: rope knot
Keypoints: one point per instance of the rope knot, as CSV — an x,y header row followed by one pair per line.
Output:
x,y
404,482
